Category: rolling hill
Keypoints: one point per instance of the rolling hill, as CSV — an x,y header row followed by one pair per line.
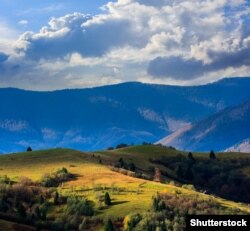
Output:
x,y
96,118
95,174
217,132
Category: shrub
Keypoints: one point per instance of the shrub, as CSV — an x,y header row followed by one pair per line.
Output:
x,y
4,180
189,186
122,145
54,179
131,221
78,206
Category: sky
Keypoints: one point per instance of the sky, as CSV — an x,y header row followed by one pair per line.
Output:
x,y
49,44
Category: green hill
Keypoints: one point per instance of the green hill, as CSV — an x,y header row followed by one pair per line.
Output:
x,y
67,180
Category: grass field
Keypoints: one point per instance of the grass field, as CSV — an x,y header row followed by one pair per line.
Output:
x,y
129,195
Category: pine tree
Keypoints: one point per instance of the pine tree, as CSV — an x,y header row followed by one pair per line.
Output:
x,y
109,226
107,199
21,210
29,149
179,171
56,198
189,174
212,155
190,157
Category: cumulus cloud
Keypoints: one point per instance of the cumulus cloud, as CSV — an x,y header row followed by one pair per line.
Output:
x,y
164,40
76,33
183,69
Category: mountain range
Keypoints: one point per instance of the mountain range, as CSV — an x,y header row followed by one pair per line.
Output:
x,y
218,131
96,118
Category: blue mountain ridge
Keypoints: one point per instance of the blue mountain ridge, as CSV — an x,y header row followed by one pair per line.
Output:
x,y
96,118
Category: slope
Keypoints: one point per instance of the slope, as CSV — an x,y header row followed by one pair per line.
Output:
x,y
217,132
94,177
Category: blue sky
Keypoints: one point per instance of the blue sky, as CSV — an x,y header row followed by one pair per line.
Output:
x,y
46,45
37,13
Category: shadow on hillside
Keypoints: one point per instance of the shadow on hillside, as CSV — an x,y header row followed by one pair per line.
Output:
x,y
119,202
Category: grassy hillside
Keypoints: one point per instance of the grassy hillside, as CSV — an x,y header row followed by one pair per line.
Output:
x,y
94,176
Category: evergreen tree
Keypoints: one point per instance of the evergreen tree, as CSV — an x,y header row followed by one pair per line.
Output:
x,y
56,198
109,226
37,212
21,210
107,199
179,171
41,201
29,149
190,157
121,163
189,174
212,155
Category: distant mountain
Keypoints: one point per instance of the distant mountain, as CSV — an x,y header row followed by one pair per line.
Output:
x,y
217,132
96,118
243,146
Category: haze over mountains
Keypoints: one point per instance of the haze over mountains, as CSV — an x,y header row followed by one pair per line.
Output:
x,y
218,131
96,118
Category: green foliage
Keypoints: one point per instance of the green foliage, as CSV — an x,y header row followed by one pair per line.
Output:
x,y
56,198
191,157
189,186
122,145
158,204
109,226
21,210
29,149
131,221
54,179
5,180
122,164
212,155
3,203
179,171
107,199
79,206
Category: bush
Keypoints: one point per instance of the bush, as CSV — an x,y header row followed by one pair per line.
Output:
x,y
78,206
4,180
131,221
122,145
54,179
189,186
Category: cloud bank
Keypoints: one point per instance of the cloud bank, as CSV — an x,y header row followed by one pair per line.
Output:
x,y
166,41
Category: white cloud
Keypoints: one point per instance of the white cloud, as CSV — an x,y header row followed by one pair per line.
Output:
x,y
13,125
23,22
166,41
